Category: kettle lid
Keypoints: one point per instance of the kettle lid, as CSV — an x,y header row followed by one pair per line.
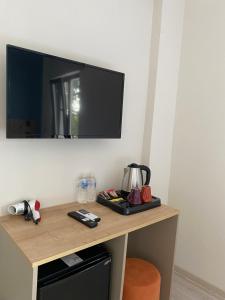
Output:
x,y
133,165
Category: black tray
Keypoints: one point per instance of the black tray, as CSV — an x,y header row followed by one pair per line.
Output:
x,y
126,209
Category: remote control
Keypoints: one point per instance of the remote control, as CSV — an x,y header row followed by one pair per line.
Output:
x,y
84,220
89,215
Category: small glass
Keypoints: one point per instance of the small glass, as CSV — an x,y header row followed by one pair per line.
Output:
x,y
134,198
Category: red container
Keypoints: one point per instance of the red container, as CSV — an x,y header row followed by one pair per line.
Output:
x,y
146,194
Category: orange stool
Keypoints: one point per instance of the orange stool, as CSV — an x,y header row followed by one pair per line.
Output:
x,y
142,280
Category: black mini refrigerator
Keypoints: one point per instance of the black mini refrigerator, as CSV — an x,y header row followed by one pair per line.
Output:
x,y
84,275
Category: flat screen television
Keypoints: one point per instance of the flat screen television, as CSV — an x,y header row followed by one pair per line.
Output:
x,y
54,97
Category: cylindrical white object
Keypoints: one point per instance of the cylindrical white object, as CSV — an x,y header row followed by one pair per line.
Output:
x,y
82,193
91,188
16,209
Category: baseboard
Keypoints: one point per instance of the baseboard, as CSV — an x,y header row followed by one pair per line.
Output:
x,y
199,283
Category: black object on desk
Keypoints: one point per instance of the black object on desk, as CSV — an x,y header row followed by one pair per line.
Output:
x,y
84,275
82,219
124,207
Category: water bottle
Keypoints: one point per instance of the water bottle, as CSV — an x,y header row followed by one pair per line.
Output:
x,y
82,194
91,188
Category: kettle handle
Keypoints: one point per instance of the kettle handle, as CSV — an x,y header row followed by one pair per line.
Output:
x,y
148,173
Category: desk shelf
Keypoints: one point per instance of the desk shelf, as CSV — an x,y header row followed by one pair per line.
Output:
x,y
24,246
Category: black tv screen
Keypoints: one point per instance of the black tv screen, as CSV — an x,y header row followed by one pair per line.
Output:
x,y
53,97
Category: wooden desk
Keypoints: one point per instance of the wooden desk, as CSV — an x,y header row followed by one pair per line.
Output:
x,y
25,246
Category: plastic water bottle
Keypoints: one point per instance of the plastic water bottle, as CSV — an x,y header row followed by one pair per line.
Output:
x,y
82,194
91,188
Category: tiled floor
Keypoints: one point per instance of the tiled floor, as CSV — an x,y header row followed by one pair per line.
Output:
x,y
184,290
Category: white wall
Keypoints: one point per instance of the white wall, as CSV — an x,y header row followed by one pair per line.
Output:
x,y
152,79
113,34
163,91
198,165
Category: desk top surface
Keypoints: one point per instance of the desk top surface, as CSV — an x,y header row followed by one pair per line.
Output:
x,y
58,235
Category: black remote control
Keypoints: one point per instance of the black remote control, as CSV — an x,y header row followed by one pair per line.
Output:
x,y
82,219
88,215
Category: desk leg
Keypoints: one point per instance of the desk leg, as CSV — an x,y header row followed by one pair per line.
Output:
x,y
18,280
118,248
156,243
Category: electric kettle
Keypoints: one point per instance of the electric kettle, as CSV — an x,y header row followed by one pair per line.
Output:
x,y
133,177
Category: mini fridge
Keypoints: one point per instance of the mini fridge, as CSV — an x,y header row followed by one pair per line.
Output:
x,y
84,275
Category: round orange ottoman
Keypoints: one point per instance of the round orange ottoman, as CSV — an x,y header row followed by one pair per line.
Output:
x,y
142,280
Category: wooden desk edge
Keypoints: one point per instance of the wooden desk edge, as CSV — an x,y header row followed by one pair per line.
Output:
x,y
95,242
40,262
